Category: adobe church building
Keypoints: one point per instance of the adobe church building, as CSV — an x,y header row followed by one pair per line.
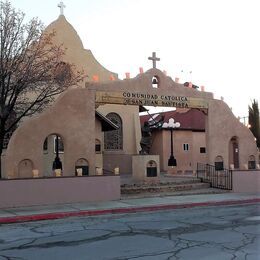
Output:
x,y
99,126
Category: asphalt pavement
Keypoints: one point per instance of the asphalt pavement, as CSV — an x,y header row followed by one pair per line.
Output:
x,y
199,233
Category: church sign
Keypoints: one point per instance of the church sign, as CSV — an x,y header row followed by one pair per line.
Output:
x,y
145,99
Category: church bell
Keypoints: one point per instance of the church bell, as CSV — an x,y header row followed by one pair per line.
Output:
x,y
155,81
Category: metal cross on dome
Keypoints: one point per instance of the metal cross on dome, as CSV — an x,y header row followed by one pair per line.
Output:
x,y
61,5
154,59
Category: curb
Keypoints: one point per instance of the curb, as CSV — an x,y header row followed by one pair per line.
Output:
x,y
81,213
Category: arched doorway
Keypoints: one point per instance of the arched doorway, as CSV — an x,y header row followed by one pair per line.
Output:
x,y
25,169
251,162
234,152
53,154
81,167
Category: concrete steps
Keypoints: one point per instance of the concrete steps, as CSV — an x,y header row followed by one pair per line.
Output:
x,y
162,187
174,193
168,186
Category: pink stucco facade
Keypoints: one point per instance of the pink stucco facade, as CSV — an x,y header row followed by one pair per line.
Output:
x,y
246,181
186,159
48,191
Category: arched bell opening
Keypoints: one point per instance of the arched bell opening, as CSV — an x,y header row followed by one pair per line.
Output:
x,y
155,82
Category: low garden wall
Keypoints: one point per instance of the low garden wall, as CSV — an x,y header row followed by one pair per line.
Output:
x,y
246,181
46,191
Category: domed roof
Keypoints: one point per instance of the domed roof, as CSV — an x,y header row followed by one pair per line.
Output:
x,y
65,33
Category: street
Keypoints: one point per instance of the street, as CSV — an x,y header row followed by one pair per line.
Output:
x,y
222,232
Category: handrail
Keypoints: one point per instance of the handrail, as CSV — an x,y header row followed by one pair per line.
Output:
x,y
221,179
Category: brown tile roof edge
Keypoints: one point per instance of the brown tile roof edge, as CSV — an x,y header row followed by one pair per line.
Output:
x,y
192,119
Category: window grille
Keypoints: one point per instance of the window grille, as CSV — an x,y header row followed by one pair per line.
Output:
x,y
114,139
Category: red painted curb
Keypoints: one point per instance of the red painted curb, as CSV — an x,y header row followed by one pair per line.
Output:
x,y
49,216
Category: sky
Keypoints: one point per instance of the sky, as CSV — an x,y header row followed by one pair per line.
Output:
x,y
211,43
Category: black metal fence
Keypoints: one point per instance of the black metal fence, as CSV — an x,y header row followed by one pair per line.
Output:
x,y
221,179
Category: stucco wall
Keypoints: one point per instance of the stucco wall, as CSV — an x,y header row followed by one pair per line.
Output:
x,y
140,165
198,141
158,148
131,138
73,118
58,190
246,181
221,126
128,114
99,136
186,160
116,159
183,157
143,83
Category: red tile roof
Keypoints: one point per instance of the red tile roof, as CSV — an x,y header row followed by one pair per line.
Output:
x,y
193,119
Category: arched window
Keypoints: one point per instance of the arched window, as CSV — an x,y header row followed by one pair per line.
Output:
x,y
114,139
151,169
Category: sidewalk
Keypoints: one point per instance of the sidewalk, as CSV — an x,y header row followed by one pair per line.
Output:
x,y
35,213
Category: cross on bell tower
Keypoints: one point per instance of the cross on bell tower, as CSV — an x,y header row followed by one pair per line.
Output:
x,y
154,59
61,5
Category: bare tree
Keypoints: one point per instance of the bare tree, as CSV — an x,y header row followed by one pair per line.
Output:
x,y
32,72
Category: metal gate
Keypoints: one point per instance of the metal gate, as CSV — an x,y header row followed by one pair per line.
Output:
x,y
221,179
